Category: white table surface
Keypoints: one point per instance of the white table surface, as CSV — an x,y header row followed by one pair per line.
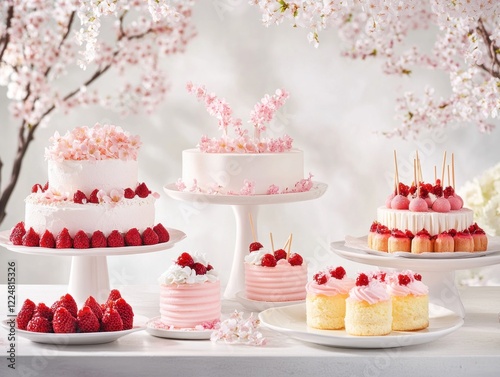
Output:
x,y
474,349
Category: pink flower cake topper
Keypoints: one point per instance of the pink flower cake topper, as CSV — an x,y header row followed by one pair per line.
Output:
x,y
262,113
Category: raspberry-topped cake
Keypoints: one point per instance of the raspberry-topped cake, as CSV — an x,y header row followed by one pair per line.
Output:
x,y
190,293
92,197
242,162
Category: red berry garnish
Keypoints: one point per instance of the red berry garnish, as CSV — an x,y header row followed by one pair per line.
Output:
x,y
111,320
36,188
142,190
39,324
43,310
448,191
149,237
47,240
417,277
79,197
185,260
209,267
438,190
64,240
31,238
254,246
63,321
114,295
81,240
17,234
403,279
68,302
115,239
452,232
162,233
280,254
45,186
199,268
25,314
128,193
337,273
362,279
126,313
93,197
320,278
295,259
268,260
133,237
98,239
86,321
94,306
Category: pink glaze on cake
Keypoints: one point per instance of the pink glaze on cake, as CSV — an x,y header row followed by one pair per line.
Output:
x,y
418,205
400,202
441,205
455,202
332,287
389,200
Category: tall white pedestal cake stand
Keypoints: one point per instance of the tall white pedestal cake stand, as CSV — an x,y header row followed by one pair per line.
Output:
x,y
438,271
243,206
89,267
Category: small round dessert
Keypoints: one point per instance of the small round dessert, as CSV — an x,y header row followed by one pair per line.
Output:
x,y
418,204
479,237
368,308
444,243
372,233
381,239
422,243
399,241
410,301
441,205
400,202
463,241
325,300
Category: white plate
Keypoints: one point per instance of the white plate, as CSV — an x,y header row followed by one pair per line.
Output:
x,y
291,320
71,339
175,236
182,334
316,191
258,306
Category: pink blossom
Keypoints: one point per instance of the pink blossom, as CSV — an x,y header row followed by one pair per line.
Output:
x,y
273,190
248,188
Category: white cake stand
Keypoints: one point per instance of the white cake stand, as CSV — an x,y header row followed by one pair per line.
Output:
x,y
89,267
243,206
437,273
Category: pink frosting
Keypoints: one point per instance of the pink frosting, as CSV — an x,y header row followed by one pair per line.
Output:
x,y
441,205
418,205
414,287
400,202
389,199
455,202
372,293
332,287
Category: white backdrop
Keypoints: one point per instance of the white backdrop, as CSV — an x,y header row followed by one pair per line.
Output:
x,y
335,109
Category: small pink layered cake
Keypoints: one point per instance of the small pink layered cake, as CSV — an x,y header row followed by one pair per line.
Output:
x,y
268,278
190,293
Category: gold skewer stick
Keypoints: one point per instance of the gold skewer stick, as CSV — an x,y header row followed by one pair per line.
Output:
x,y
272,242
252,227
289,246
397,173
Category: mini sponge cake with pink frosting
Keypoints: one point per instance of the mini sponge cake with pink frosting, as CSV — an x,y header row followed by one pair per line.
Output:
x,y
326,295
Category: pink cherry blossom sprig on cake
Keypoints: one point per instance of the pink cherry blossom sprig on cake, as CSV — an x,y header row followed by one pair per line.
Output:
x,y
101,142
239,330
241,141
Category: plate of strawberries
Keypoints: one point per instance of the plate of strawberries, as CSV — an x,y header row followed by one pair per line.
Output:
x,y
63,323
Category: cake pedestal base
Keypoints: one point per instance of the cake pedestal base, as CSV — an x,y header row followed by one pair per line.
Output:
x,y
443,290
89,277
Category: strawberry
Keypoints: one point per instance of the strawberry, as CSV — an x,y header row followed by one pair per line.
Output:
x,y
63,321
31,238
149,237
114,295
254,246
126,313
93,197
44,311
199,268
295,260
111,320
320,278
128,193
161,232
362,279
79,197
48,240
94,306
25,314
81,240
68,302
280,254
86,320
39,324
268,260
185,260
133,237
115,239
17,234
142,190
337,273
98,239
64,240
37,187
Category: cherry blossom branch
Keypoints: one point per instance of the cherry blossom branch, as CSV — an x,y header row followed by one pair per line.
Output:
x,y
6,37
492,50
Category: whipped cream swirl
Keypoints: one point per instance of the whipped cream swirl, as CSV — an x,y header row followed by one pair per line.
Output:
x,y
176,274
414,287
255,257
372,293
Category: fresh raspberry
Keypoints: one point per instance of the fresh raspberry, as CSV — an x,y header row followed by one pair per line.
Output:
x,y
320,278
362,279
111,320
209,267
185,260
79,197
48,240
199,268
452,232
409,234
63,321
295,259
17,234
128,193
417,277
448,191
374,226
149,237
39,324
142,190
64,240
45,186
133,237
337,273
437,190
25,314
93,197
114,295
280,254
403,279
380,276
98,239
126,313
94,306
68,302
81,240
268,260
37,187
86,320
403,189
162,233
44,311
31,238
254,246
115,239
